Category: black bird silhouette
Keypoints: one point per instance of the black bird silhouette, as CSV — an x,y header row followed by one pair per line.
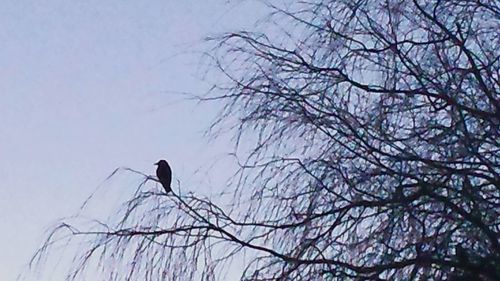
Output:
x,y
164,174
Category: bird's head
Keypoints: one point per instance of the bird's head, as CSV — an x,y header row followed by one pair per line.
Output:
x,y
161,163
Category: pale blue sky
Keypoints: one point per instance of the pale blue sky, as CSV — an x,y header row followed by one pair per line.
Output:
x,y
86,87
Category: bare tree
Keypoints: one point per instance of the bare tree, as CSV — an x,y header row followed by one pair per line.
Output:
x,y
369,138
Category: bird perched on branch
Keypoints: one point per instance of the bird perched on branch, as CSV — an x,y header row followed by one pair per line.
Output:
x,y
164,174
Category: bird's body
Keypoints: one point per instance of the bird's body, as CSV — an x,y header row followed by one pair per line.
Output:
x,y
164,174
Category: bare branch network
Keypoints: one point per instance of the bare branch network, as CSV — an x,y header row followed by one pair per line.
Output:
x,y
369,133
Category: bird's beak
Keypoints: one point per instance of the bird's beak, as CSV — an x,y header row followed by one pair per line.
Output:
x,y
157,163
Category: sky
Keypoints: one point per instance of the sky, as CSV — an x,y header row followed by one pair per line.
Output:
x,y
90,86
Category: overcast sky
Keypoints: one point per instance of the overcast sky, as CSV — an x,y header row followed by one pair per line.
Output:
x,y
89,86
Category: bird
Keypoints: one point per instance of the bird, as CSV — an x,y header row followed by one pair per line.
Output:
x,y
164,174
